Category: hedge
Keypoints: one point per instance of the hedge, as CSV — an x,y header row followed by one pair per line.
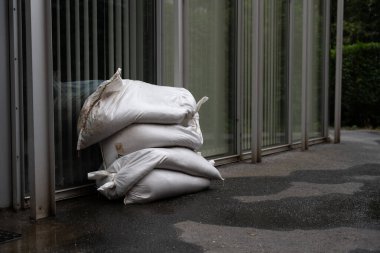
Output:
x,y
360,85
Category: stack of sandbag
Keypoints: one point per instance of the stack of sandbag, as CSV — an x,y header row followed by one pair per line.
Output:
x,y
149,136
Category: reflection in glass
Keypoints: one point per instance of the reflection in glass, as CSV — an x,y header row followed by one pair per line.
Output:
x,y
316,89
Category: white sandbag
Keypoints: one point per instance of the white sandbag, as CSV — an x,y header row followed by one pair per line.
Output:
x,y
126,171
119,103
187,161
140,136
160,184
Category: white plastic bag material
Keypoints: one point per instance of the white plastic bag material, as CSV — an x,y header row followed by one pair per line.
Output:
x,y
161,184
119,103
141,136
187,161
125,172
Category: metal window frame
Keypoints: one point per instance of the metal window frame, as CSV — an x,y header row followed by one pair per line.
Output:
x,y
140,36
40,108
257,80
290,70
132,39
239,79
327,7
306,78
338,70
16,102
179,44
159,37
257,45
7,106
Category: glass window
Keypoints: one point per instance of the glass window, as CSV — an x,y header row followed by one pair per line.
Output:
x,y
209,70
317,61
247,75
91,39
275,91
296,68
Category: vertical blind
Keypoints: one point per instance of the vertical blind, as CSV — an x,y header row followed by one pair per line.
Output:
x,y
91,39
209,66
295,82
275,86
247,75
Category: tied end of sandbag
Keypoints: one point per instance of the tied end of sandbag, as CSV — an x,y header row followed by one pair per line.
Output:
x,y
200,103
95,175
107,186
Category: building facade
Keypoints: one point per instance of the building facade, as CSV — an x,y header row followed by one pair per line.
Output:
x,y
264,64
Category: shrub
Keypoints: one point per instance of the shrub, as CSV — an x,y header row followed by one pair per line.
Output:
x,y
360,85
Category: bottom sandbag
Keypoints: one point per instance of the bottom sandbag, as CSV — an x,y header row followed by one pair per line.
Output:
x,y
160,184
125,172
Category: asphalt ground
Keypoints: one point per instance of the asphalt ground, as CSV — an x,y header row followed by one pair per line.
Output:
x,y
326,199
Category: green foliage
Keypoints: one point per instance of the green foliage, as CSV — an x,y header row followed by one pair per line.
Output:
x,y
360,84
361,21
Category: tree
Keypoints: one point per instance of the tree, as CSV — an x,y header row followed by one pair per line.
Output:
x,y
361,21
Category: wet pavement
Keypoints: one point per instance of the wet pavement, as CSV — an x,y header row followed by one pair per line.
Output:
x,y
324,200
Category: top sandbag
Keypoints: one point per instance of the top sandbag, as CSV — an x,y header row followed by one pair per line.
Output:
x,y
118,103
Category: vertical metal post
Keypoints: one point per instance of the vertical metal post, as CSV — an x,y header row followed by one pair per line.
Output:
x,y
77,53
6,104
326,68
86,46
118,34
239,75
338,70
310,66
290,71
159,65
305,74
58,96
15,105
126,39
70,76
140,39
110,38
178,44
40,108
257,70
133,39
94,33
22,108
78,56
